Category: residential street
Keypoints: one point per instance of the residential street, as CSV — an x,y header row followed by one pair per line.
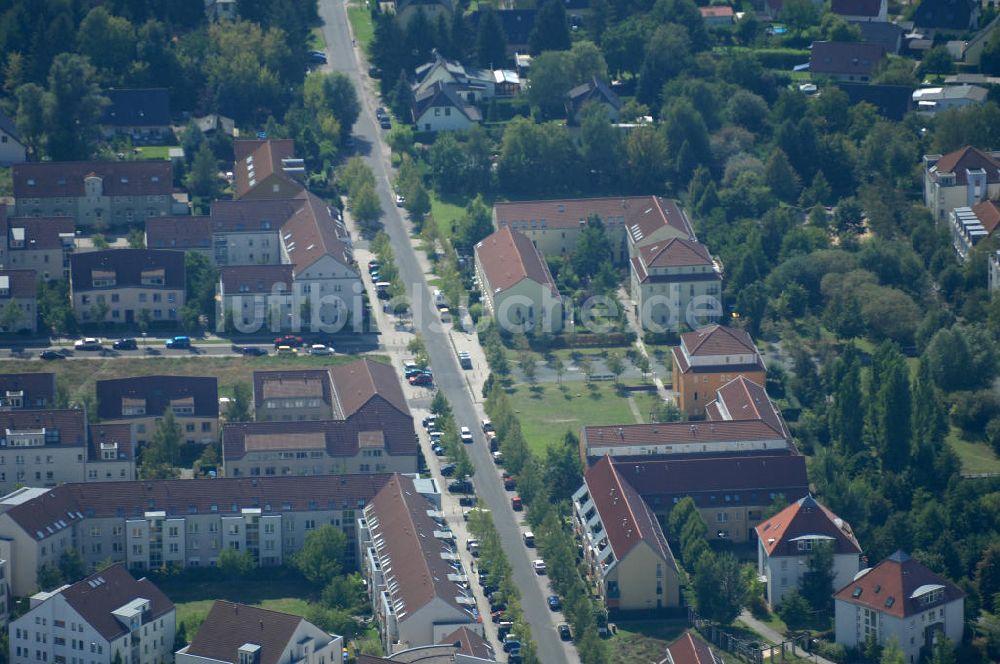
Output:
x,y
448,376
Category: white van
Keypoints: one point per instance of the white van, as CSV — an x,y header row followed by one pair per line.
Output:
x,y
529,539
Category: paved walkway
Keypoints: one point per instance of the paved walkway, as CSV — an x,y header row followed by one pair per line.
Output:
x,y
633,323
774,637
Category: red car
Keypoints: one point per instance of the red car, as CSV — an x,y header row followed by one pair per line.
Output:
x,y
421,379
515,503
289,340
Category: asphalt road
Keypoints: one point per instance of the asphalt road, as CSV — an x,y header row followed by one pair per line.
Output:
x,y
447,373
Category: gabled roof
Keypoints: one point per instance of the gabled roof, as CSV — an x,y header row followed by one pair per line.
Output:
x,y
229,625
469,643
966,159
889,35
675,252
508,257
899,586
416,571
626,517
8,127
357,383
689,649
39,388
40,233
719,11
668,433
53,510
158,393
46,179
988,213
856,7
743,399
248,279
257,160
593,90
96,596
661,213
179,232
718,340
845,58
945,14
640,215
137,107
70,423
441,95
805,519
109,433
128,266
19,283
310,233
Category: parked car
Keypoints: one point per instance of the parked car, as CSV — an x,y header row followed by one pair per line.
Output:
x,y
503,628
498,458
467,501
385,122
253,351
555,604
539,566
465,360
512,644
51,355
125,344
487,425
564,632
372,265
498,616
435,435
448,469
87,343
286,351
429,421
178,342
515,504
460,486
509,482
380,113
529,539
316,57
437,449
289,340
320,349
400,200
465,435
409,372
421,379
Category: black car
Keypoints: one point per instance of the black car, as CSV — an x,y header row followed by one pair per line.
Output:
x,y
564,632
460,486
467,501
555,604
253,351
125,344
51,355
448,469
379,112
511,645
385,123
317,57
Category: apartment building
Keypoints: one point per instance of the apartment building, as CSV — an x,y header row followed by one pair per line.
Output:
x,y
12,147
255,295
517,288
242,634
111,454
416,582
180,233
741,399
731,492
899,599
629,563
267,169
786,540
675,282
151,523
971,225
5,596
141,401
105,617
963,178
117,285
140,114
707,359
27,390
463,646
116,193
42,244
350,418
18,301
42,448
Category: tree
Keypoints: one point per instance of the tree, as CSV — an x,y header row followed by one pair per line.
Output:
x,y
988,576
794,610
847,413
890,413
333,92
551,31
136,239
592,248
160,455
11,316
49,577
235,564
781,177
647,156
108,41
239,407
474,225
817,581
892,653
202,179
202,277
491,42
365,205
800,14
71,565
667,54
936,61
615,364
321,553
720,587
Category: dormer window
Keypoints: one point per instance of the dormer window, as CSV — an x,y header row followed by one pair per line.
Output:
x,y
153,277
124,180
31,182
102,278
155,178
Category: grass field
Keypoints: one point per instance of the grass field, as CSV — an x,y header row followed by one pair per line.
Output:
x,y
316,40
445,214
79,376
548,410
154,151
277,589
643,641
361,23
977,457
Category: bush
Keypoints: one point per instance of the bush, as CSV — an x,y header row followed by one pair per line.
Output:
x,y
993,433
971,411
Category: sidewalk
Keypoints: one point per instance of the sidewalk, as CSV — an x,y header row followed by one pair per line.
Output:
x,y
633,323
774,637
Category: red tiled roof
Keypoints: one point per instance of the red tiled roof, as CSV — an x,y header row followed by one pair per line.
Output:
x,y
96,596
845,58
508,257
988,213
856,7
470,643
689,649
66,178
896,585
675,252
290,383
251,215
712,12
666,433
718,340
356,383
70,423
21,283
803,519
266,156
626,517
570,212
39,388
743,399
311,233
179,232
965,159
228,626
238,279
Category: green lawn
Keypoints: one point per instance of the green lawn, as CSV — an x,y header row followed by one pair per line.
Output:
x,y
194,594
548,410
154,151
316,40
643,641
977,457
361,23
445,214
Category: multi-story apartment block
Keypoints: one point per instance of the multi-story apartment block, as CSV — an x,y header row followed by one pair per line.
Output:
x,y
899,599
707,359
962,178
463,646
40,244
180,233
416,582
675,282
785,541
141,114
628,559
105,617
27,390
121,283
5,596
242,634
42,447
152,523
111,455
252,295
267,169
730,492
517,287
18,301
116,193
141,401
971,225
350,418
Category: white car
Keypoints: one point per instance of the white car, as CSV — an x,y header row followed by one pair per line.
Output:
x,y
539,566
465,435
88,343
320,349
400,200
